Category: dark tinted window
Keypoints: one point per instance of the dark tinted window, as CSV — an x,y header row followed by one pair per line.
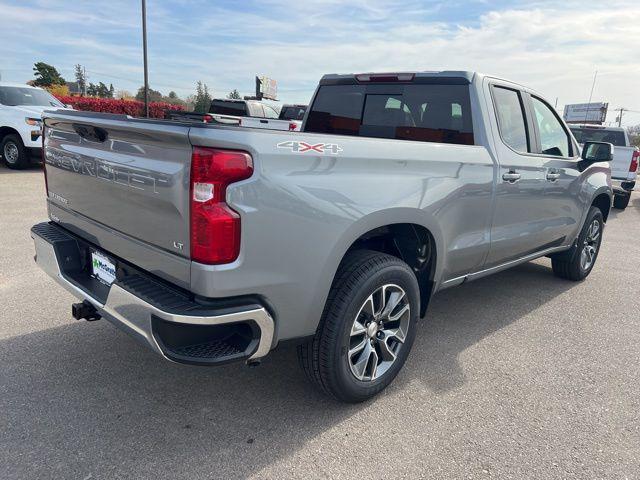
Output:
x,y
27,96
220,107
554,139
292,113
511,118
427,113
586,134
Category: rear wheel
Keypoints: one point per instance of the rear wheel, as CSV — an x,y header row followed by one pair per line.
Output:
x,y
13,152
584,257
367,328
621,201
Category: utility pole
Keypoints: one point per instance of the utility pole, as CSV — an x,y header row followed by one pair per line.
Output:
x,y
593,85
144,52
621,109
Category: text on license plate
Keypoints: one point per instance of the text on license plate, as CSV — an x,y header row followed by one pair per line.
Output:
x,y
103,268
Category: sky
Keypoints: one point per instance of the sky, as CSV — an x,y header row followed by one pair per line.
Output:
x,y
553,47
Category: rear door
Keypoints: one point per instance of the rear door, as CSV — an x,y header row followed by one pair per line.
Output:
x,y
520,217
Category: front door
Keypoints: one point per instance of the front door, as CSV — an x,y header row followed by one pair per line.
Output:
x,y
520,216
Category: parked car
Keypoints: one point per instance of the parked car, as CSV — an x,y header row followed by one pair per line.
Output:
x,y
624,166
212,243
21,107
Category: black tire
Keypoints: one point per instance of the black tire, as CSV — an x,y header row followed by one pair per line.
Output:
x,y
574,268
621,201
325,359
13,152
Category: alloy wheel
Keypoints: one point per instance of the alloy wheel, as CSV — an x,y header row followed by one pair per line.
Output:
x,y
11,153
378,332
590,245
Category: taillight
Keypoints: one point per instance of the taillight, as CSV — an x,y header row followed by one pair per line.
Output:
x,y
293,126
215,227
634,161
207,119
44,165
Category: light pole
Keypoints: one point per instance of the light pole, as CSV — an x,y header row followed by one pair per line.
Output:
x,y
144,50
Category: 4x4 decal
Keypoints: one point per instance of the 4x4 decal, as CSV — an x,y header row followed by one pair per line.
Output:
x,y
304,147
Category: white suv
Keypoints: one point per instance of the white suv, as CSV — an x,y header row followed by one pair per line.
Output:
x,y
21,108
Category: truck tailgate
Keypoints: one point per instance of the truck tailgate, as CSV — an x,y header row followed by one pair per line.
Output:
x,y
622,157
112,176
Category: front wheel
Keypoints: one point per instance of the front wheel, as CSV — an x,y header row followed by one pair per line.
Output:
x,y
367,328
579,266
13,152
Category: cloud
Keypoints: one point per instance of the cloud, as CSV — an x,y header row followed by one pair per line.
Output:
x,y
552,47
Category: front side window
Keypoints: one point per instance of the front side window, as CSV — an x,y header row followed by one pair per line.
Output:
x,y
419,112
554,140
511,118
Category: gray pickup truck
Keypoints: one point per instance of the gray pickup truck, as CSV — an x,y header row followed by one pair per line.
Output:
x,y
212,243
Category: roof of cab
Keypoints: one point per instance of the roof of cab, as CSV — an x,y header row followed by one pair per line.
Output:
x,y
21,85
445,76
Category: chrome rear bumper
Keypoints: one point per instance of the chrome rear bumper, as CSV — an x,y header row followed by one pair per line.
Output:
x,y
141,318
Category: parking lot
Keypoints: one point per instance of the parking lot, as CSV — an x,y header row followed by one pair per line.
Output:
x,y
519,375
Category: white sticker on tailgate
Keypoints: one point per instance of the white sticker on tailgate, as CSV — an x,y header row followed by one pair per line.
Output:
x,y
103,268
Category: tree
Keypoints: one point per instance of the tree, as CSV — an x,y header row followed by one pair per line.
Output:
x,y
81,79
123,94
173,95
111,90
92,90
46,75
202,101
58,90
154,95
634,135
234,94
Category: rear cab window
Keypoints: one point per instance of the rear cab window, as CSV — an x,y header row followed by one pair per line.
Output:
x,y
595,134
222,107
420,112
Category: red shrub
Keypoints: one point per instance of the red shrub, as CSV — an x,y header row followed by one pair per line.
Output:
x,y
112,105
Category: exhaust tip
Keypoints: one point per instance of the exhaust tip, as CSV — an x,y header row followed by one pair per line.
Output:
x,y
84,311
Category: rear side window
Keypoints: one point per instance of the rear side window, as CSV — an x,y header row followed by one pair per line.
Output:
x,y
269,112
586,134
426,113
554,140
239,109
511,118
292,113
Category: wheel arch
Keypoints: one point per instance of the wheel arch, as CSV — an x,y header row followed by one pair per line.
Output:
x,y
4,131
602,200
408,234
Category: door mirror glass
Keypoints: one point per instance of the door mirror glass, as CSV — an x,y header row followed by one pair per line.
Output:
x,y
594,152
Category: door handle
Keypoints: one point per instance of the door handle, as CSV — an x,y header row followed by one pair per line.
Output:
x,y
511,177
552,176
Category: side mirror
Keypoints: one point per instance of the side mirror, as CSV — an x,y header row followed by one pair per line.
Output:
x,y
594,152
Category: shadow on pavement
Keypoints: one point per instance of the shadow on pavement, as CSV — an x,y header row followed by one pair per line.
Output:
x,y
84,399
5,170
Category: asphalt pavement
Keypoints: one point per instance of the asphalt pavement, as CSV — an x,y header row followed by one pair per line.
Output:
x,y
518,375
